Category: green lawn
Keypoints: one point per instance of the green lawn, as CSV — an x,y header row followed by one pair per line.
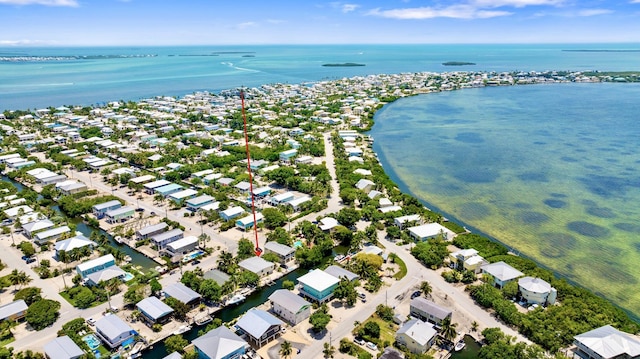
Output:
x,y
387,330
403,267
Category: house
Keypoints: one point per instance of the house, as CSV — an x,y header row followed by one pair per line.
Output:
x,y
13,311
95,265
182,293
260,326
340,273
243,186
261,192
217,275
154,311
408,219
62,348
220,343
105,275
151,187
365,185
72,243
167,190
150,231
247,222
32,228
181,246
537,291
318,285
501,272
431,230
71,187
174,355
114,332
288,155
196,203
120,214
428,311
607,342
417,336
231,213
391,353
18,211
258,266
289,306
296,203
162,239
51,234
99,210
284,252
181,196
281,198
328,223
467,259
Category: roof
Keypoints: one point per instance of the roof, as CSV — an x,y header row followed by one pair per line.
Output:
x,y
219,343
245,221
256,322
534,285
166,235
502,271
256,264
279,248
183,194
181,292
95,262
106,274
418,330
219,276
328,223
287,299
232,211
111,326
12,308
156,184
182,242
108,204
62,348
340,272
78,241
430,307
52,232
168,188
318,280
200,199
431,230
38,225
120,211
363,183
152,228
609,342
154,307
174,355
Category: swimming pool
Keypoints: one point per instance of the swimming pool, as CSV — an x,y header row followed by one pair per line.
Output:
x,y
128,276
297,244
92,341
191,256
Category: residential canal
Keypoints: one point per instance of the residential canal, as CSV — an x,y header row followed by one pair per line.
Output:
x,y
470,351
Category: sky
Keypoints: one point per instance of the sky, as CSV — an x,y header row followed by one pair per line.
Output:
x,y
223,22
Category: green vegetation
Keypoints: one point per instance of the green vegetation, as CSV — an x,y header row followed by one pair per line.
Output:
x,y
73,206
320,318
501,346
403,267
42,313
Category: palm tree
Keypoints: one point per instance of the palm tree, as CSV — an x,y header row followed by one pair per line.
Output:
x,y
425,287
448,329
328,350
225,261
285,349
474,326
19,278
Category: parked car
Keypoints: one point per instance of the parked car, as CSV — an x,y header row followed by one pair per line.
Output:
x,y
30,260
139,209
24,258
416,294
359,341
362,295
371,346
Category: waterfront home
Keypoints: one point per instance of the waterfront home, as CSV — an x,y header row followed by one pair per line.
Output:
x,y
258,266
410,219
182,293
231,213
417,336
467,259
220,343
14,212
114,332
501,273
151,230
196,203
154,311
281,198
181,196
62,348
162,239
181,246
247,222
431,230
260,326
284,252
537,291
71,187
428,311
120,214
362,172
152,186
217,275
317,285
99,210
95,265
290,306
72,243
340,273
288,155
365,185
105,275
607,342
51,234
32,228
13,311
328,223
387,209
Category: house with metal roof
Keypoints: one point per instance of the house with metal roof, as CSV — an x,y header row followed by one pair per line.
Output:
x,y
196,203
99,210
258,266
181,246
181,196
220,343
151,230
284,252
62,348
13,311
174,355
417,336
71,187
428,311
281,198
182,293
95,265
114,332
289,306
152,186
31,228
296,203
154,311
105,275
537,291
161,240
72,243
365,185
501,272
402,220
231,213
247,222
318,285
288,155
328,223
217,275
340,272
260,326
120,214
51,234
607,342
167,190
431,230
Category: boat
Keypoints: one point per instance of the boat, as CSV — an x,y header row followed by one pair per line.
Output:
x,y
118,239
182,329
235,299
127,258
459,345
338,257
202,320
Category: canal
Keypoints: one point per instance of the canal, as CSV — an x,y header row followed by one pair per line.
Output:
x,y
470,351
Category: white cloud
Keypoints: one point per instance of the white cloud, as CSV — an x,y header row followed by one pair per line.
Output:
x,y
70,3
516,3
635,1
349,7
247,24
594,12
23,42
454,11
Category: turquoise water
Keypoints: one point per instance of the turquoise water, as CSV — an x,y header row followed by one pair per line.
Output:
x,y
92,341
549,170
128,276
192,255
175,71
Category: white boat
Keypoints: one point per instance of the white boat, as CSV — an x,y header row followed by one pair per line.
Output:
x,y
118,239
202,320
127,258
339,257
182,329
235,299
459,345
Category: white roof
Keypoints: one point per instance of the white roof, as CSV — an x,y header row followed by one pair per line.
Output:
x,y
431,230
232,211
408,218
154,307
38,225
62,348
389,209
421,332
502,271
363,183
182,242
256,264
609,342
73,243
156,184
298,201
211,206
328,223
182,194
256,322
318,280
52,232
12,308
95,262
219,343
534,285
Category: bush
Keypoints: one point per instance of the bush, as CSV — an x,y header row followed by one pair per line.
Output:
x,y
156,327
42,313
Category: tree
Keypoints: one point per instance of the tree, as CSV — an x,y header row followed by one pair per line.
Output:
x,y
346,291
343,235
348,217
426,289
180,309
19,278
285,349
448,329
328,350
27,248
134,294
29,295
384,312
273,218
246,249
320,319
226,262
155,286
42,313
175,343
370,329
210,290
288,284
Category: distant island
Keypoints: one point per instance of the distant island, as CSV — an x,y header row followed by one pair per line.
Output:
x,y
344,64
248,55
601,50
457,63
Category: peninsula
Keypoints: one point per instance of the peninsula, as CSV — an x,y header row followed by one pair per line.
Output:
x,y
343,64
457,63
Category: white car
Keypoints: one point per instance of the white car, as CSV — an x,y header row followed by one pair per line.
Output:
x,y
91,321
359,341
371,346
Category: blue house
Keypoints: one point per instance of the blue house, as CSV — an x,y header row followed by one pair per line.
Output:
x,y
318,285
196,203
220,343
95,265
168,189
286,156
99,210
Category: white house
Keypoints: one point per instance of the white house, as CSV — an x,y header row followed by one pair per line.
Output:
x,y
417,336
289,306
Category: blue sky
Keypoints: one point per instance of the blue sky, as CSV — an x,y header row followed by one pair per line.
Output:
x,y
215,22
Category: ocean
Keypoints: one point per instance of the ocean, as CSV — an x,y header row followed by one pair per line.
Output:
x,y
548,170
